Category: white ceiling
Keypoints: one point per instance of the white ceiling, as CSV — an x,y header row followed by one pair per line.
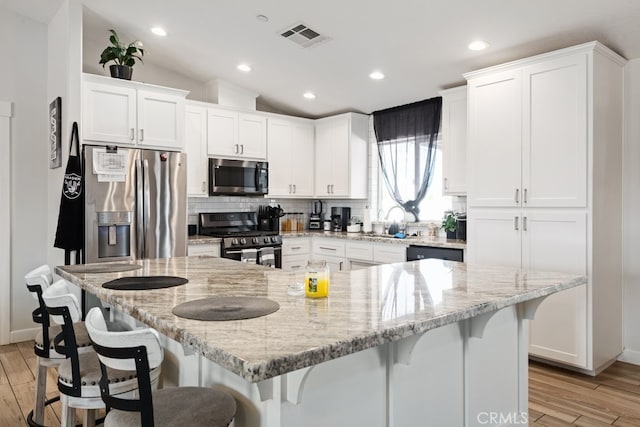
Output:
x,y
421,45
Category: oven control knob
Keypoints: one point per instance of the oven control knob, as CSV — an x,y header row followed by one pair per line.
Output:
x,y
266,240
254,240
234,242
274,239
243,241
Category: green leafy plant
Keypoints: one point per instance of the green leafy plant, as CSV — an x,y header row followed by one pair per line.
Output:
x,y
450,221
120,53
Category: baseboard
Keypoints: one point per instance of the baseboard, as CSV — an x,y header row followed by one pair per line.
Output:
x,y
630,356
24,334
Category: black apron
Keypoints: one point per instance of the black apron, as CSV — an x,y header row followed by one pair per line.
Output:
x,y
70,232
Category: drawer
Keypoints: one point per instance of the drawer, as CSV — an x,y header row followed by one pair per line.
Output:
x,y
361,251
330,247
213,250
389,253
294,262
296,246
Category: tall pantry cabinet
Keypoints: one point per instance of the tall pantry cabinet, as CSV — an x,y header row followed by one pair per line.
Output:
x,y
545,190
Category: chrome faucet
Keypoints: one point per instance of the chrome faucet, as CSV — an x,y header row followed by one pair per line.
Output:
x,y
386,218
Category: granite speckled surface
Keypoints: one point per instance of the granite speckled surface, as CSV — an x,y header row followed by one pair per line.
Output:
x,y
365,308
440,242
203,240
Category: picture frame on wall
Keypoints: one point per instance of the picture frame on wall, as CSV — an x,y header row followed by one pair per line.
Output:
x,y
55,137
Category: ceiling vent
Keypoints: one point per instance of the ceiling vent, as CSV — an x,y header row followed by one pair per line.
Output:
x,y
302,35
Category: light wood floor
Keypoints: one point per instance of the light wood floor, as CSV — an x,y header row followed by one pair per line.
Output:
x,y
556,397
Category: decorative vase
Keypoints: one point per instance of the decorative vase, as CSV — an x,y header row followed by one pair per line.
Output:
x,y
121,71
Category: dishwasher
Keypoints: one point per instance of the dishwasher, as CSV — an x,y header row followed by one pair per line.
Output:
x,y
417,252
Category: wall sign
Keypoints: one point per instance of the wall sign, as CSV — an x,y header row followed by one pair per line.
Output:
x,y
55,137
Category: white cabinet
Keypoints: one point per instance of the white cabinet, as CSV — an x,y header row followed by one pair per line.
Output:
x,y
295,253
342,156
291,157
203,249
545,190
195,145
130,113
233,134
528,135
365,254
330,250
454,141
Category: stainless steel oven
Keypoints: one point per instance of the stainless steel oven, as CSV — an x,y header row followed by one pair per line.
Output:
x,y
241,238
238,177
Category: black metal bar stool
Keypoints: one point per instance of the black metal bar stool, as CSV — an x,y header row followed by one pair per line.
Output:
x,y
176,406
38,281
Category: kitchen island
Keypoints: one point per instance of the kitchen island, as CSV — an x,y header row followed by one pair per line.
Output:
x,y
420,343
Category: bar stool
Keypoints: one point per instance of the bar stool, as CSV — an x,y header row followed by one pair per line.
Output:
x,y
46,357
175,406
79,373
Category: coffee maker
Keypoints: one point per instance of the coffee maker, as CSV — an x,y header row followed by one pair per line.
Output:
x,y
340,218
315,218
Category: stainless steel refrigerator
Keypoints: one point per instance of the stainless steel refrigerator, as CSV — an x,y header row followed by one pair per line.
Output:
x,y
135,204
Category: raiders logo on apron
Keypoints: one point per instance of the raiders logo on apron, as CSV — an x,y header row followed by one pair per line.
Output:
x,y
70,232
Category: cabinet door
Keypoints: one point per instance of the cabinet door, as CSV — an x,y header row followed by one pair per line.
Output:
x,y
323,161
109,113
454,141
557,241
495,140
279,157
294,262
302,160
160,120
493,237
222,133
252,136
195,135
554,161
340,159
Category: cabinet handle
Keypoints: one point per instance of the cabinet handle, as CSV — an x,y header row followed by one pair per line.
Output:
x,y
237,149
524,223
340,266
141,135
289,188
446,187
516,223
295,248
133,134
524,196
517,195
204,186
328,189
294,189
327,249
295,267
241,148
331,188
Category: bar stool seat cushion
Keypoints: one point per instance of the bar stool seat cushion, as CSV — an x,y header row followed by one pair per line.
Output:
x,y
82,337
90,375
182,406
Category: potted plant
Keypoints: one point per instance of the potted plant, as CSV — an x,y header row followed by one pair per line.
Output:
x,y
123,55
450,224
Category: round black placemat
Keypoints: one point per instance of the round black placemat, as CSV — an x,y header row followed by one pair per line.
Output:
x,y
143,283
226,308
99,268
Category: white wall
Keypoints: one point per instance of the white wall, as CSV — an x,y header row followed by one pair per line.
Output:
x,y
631,212
23,43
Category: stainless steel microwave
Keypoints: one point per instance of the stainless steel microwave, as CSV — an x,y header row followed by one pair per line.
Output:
x,y
238,177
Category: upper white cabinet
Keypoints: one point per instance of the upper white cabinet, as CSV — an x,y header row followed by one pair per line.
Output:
x,y
233,134
195,145
545,155
341,158
454,141
528,135
122,112
291,157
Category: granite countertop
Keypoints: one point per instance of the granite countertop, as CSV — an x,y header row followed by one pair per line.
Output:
x,y
440,242
365,308
203,240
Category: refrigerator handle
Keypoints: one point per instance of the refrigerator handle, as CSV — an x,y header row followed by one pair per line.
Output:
x,y
146,204
139,211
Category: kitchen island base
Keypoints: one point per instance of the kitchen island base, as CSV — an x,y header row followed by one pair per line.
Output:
x,y
469,373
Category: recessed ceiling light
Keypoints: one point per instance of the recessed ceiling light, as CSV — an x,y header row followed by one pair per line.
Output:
x,y
159,31
262,18
309,95
376,75
478,45
244,67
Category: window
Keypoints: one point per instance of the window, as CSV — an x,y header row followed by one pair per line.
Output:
x,y
432,206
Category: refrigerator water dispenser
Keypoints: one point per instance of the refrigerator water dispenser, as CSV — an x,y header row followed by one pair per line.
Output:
x,y
114,234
